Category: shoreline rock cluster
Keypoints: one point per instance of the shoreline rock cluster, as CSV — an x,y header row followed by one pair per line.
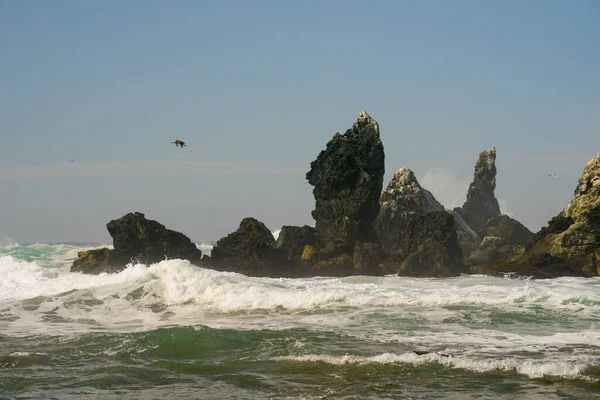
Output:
x,y
362,230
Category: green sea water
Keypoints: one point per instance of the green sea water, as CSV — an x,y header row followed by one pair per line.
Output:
x,y
175,331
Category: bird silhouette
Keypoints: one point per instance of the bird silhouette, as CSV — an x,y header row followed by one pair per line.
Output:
x,y
178,143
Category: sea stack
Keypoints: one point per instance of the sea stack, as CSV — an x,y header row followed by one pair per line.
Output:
x,y
417,235
481,204
348,177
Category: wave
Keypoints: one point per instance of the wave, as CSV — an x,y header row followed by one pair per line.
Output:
x,y
531,368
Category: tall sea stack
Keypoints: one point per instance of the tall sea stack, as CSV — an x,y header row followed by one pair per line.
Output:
x,y
481,204
348,177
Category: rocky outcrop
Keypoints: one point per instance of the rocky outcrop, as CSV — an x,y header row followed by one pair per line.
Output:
x,y
417,235
574,235
347,177
505,241
137,239
508,229
146,241
300,246
250,250
481,204
92,261
569,245
468,240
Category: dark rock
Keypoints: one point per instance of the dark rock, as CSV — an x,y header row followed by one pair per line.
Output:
x,y
481,204
293,239
342,265
494,249
146,241
508,229
92,261
368,259
424,245
250,250
468,240
415,232
347,177
137,239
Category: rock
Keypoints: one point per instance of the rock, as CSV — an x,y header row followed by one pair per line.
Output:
x,y
92,261
347,177
425,246
574,235
250,250
481,204
137,239
293,239
509,229
342,265
494,249
368,259
415,232
146,241
468,240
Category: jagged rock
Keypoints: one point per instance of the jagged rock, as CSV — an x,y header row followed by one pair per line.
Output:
x,y
415,231
481,204
347,177
92,261
147,241
509,229
468,240
405,194
574,235
137,239
341,265
250,250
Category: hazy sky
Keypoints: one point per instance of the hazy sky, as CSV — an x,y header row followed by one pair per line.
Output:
x,y
257,88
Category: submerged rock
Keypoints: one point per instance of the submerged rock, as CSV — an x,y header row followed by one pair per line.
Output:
x,y
481,204
416,233
137,239
347,177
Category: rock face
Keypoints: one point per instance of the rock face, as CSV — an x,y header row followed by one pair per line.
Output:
x,y
137,239
574,235
468,240
347,177
250,250
508,229
300,245
481,204
505,241
92,261
416,233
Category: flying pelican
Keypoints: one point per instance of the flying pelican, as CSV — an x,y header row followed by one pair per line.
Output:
x,y
178,143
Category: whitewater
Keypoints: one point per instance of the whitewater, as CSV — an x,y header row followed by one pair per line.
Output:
x,y
174,330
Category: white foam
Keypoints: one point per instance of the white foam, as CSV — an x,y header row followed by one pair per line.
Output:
x,y
531,368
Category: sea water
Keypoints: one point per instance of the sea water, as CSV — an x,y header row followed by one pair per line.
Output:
x,y
176,331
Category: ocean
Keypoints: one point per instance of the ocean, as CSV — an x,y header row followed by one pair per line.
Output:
x,y
175,331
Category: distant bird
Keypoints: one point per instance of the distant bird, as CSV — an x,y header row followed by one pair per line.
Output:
x,y
179,143
494,148
554,175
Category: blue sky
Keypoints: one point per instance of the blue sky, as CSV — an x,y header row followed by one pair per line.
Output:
x,y
257,89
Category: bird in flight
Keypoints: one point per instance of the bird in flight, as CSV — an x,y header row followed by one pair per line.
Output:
x,y
179,143
554,175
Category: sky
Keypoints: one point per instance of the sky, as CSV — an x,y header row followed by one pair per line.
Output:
x,y
92,94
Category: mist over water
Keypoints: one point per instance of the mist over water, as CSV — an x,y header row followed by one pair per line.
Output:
x,y
167,328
